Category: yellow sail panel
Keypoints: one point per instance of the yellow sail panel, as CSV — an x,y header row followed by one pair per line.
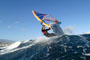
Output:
x,y
39,17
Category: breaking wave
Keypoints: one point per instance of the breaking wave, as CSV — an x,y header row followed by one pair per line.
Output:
x,y
65,47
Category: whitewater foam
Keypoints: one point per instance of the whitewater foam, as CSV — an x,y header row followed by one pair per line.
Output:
x,y
41,39
9,50
14,45
87,54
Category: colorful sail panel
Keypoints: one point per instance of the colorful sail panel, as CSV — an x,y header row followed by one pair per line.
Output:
x,y
40,18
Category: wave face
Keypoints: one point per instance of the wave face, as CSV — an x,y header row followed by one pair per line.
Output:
x,y
66,47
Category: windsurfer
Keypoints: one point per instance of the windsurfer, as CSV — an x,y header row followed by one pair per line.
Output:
x,y
45,31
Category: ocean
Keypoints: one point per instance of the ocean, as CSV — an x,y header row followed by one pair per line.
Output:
x,y
65,47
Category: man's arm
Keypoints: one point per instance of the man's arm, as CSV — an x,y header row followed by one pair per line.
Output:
x,y
57,22
48,29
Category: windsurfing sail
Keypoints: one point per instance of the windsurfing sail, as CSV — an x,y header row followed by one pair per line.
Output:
x,y
45,19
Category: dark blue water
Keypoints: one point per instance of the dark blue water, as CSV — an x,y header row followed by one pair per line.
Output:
x,y
66,47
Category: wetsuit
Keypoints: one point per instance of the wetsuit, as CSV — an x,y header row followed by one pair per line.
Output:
x,y
44,31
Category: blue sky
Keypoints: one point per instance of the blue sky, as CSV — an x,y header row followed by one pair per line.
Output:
x,y
18,23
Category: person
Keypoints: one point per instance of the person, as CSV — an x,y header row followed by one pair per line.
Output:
x,y
45,31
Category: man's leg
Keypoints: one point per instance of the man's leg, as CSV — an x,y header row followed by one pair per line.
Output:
x,y
51,35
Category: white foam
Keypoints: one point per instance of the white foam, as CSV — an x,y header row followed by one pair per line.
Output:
x,y
5,51
26,41
41,39
87,54
14,45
